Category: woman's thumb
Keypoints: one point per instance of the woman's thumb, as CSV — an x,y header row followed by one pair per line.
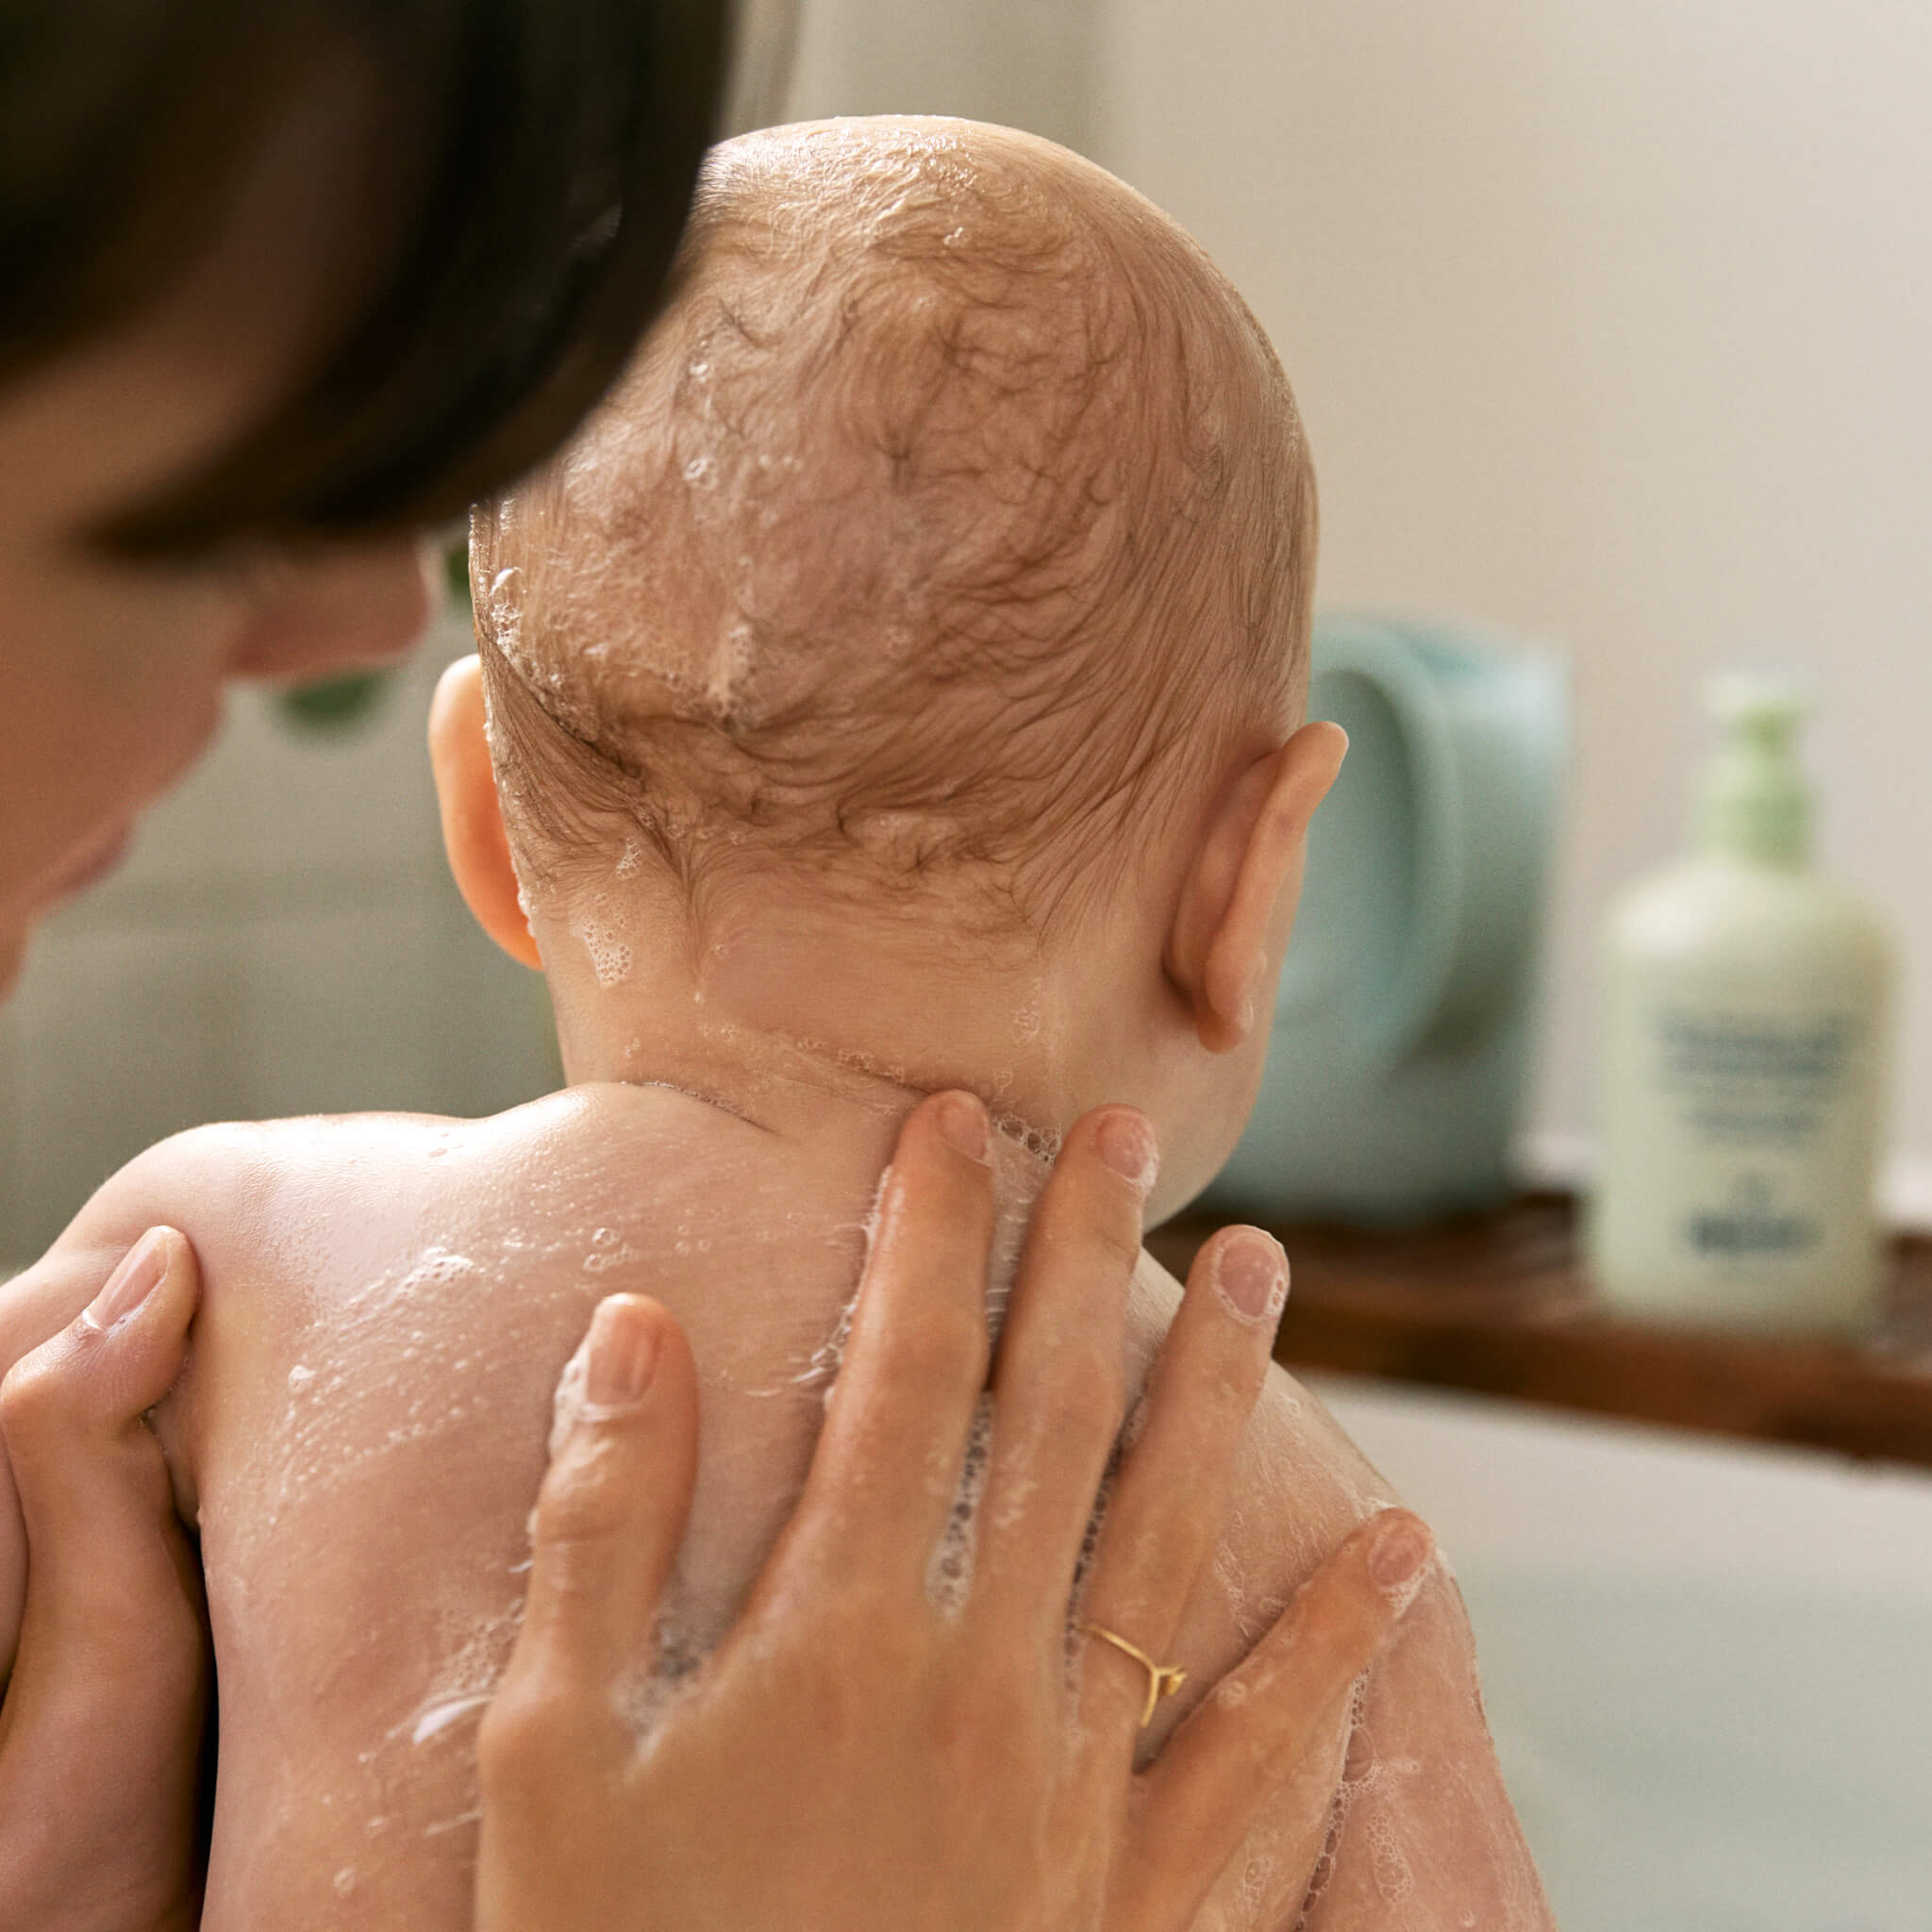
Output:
x,y
612,1510
92,1481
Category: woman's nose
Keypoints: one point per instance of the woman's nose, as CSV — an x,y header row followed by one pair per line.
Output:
x,y
337,610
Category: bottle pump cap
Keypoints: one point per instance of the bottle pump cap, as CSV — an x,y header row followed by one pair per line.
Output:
x,y
1756,804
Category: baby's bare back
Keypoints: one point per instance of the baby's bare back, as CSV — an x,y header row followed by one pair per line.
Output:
x,y
389,1303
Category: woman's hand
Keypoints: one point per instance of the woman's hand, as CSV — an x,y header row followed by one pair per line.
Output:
x,y
858,1754
101,1727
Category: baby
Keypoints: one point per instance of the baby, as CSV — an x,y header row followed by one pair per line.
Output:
x,y
896,687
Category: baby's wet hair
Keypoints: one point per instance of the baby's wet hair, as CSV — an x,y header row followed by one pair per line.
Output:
x,y
954,521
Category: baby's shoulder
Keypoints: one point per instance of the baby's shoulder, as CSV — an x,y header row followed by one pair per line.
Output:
x,y
370,1179
389,1279
198,1182
361,1236
289,1211
334,1201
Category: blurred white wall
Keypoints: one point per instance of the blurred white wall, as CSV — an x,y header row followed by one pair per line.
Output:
x,y
1026,63
1611,320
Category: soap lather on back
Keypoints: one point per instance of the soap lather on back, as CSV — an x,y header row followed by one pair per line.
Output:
x,y
364,1435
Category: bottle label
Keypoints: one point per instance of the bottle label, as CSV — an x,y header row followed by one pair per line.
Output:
x,y
1765,1124
1750,1223
1754,1077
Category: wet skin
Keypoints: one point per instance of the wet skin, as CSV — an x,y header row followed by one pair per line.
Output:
x,y
389,1302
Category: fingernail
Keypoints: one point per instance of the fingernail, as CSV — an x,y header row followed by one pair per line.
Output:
x,y
1402,1546
623,1351
1251,1273
132,1282
963,1125
1127,1145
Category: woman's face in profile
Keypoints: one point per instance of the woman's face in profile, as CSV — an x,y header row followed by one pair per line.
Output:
x,y
111,669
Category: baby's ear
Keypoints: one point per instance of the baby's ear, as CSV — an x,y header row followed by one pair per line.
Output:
x,y
1239,897
473,828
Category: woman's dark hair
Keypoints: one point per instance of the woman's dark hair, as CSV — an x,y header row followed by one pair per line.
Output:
x,y
558,143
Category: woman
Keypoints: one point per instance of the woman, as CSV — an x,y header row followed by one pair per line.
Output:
x,y
283,286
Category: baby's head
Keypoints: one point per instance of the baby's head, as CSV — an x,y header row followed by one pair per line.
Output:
x,y
922,590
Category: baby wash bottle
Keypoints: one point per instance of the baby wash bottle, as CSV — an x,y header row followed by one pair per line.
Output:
x,y
1744,1086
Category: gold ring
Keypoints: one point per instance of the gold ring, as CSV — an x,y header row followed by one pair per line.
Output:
x,y
1163,1680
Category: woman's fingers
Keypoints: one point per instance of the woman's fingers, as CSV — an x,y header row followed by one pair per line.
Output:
x,y
885,1472
1275,1730
1059,1384
73,1414
603,1536
1166,1510
612,1511
111,1669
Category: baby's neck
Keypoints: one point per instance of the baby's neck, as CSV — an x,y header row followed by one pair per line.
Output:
x,y
808,1012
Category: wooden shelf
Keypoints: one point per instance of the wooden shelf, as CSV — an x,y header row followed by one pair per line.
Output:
x,y
1500,1305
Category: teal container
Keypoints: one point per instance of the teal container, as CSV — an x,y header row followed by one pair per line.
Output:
x,y
1395,1079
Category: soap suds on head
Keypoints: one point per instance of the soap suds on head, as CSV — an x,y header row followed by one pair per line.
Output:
x,y
602,922
837,570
